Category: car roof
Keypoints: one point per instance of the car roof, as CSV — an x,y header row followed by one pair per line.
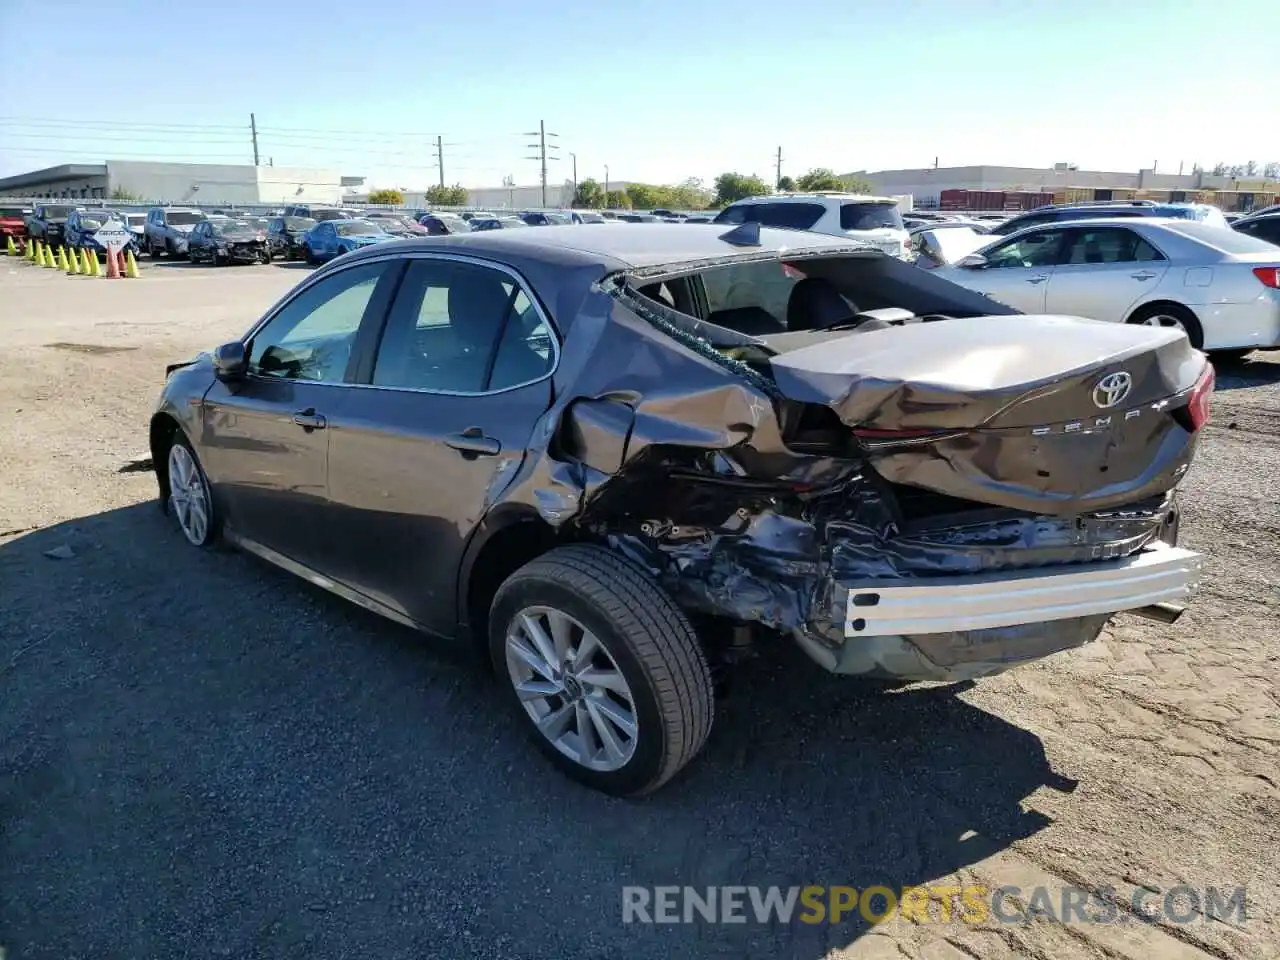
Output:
x,y
640,246
1153,221
816,195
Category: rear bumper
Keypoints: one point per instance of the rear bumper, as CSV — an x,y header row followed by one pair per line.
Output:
x,y
958,628
1235,325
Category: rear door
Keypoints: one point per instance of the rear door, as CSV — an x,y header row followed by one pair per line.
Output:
x,y
265,441
1016,271
1103,272
442,423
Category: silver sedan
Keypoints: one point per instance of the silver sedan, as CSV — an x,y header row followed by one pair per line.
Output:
x,y
1221,287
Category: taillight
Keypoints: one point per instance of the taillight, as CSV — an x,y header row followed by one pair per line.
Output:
x,y
1270,276
1201,394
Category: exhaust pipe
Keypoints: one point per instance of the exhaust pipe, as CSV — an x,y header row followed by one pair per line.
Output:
x,y
1163,612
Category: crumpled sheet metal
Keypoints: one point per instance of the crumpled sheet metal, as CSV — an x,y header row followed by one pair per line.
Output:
x,y
660,439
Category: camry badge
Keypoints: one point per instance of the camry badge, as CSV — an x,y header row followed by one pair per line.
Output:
x,y
1112,389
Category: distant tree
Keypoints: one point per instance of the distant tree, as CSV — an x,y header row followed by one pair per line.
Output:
x,y
689,194
857,185
128,196
455,196
617,200
393,198
738,186
1271,170
644,196
589,195
819,178
1251,168
1219,169
786,184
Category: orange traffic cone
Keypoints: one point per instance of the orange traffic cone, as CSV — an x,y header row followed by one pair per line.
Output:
x,y
113,266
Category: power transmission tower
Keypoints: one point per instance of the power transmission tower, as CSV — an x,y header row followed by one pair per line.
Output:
x,y
253,132
778,178
440,158
542,148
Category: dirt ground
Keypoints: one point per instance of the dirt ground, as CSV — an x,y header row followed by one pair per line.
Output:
x,y
202,756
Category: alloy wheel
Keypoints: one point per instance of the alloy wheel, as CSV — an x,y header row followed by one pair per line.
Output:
x,y
571,688
188,497
1164,320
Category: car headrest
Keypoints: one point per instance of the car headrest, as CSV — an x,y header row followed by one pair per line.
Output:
x,y
815,303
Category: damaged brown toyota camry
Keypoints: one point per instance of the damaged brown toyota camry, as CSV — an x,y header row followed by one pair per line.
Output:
x,y
613,459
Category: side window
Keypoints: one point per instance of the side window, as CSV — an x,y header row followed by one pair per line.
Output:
x,y
1032,250
312,336
732,215
461,328
796,216
1108,245
749,297
1267,229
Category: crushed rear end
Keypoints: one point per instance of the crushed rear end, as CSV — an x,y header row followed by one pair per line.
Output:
x,y
938,499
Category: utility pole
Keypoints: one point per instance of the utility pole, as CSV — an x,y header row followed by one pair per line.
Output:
x,y
575,175
253,131
778,178
606,184
542,148
440,158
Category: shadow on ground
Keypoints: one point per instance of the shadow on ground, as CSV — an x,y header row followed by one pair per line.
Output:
x,y
1258,369
198,749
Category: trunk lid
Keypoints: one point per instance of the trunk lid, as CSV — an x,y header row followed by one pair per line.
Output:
x,y
1039,413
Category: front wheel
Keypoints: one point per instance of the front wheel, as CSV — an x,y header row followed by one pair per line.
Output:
x,y
190,502
604,670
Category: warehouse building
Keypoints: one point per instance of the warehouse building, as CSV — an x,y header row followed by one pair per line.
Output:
x,y
205,183
1069,184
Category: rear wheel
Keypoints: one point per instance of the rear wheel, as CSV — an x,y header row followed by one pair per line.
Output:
x,y
603,669
1171,315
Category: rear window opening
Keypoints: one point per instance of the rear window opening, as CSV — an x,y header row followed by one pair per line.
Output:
x,y
870,216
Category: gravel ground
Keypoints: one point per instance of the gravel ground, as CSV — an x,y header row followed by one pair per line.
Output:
x,y
202,756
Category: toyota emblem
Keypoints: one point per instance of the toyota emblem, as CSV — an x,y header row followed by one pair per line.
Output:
x,y
1112,389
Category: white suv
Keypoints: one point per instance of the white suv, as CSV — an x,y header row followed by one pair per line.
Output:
x,y
859,217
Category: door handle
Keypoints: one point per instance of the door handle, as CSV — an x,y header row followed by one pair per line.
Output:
x,y
1040,279
1142,275
308,419
472,443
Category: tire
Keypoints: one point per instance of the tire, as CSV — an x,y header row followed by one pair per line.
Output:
x,y
1170,315
216,259
641,637
265,257
181,462
311,257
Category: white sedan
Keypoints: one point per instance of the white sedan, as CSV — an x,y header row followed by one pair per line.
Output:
x,y
1221,287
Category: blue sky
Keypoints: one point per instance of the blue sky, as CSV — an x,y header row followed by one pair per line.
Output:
x,y
658,91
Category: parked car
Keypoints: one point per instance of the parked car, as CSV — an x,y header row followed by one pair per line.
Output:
x,y
667,214
539,218
82,226
939,243
1217,285
443,224
333,238
167,229
1264,226
1060,213
319,214
230,240
874,220
286,236
585,216
638,218
477,215
455,432
397,226
137,225
479,224
13,222
48,221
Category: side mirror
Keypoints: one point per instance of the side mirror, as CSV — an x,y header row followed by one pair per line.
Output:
x,y
974,261
231,361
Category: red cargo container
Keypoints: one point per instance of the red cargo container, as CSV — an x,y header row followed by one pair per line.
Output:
x,y
954,200
986,199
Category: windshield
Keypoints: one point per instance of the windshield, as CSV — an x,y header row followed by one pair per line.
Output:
x,y
253,223
134,219
94,222
359,228
55,212
298,223
12,212
328,215
183,218
1222,238
870,216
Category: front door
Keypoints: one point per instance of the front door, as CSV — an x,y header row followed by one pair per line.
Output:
x,y
460,378
265,440
1017,272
